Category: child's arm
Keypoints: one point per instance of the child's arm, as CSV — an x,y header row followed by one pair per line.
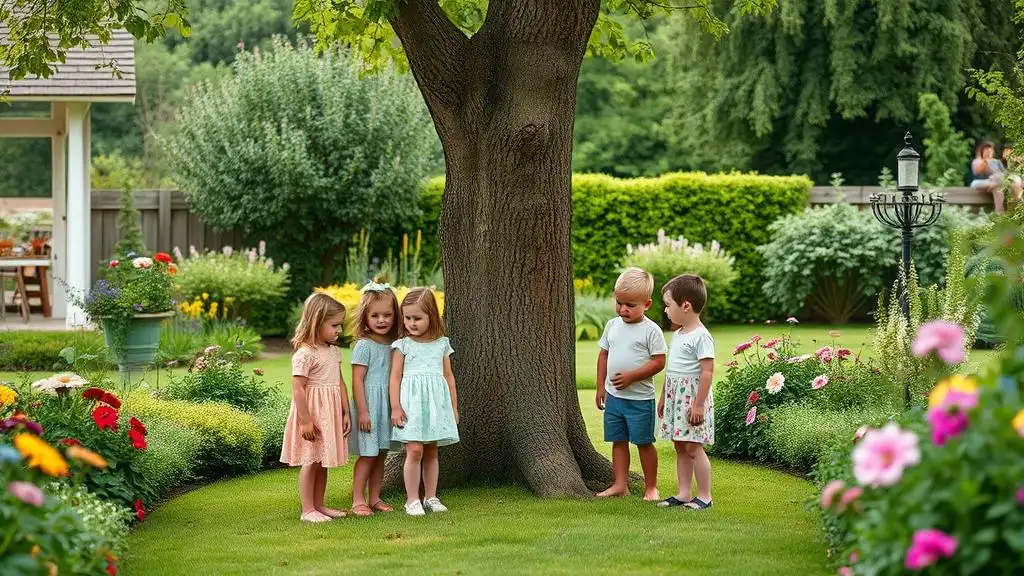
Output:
x,y
346,418
359,395
395,389
602,375
697,409
653,366
307,428
661,399
450,377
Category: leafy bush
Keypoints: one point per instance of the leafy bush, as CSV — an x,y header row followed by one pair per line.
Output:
x,y
271,417
182,339
609,213
801,435
23,350
591,313
103,519
230,440
232,284
671,257
171,458
318,150
217,377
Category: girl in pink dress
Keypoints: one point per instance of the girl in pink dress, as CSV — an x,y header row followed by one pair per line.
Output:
x,y
318,422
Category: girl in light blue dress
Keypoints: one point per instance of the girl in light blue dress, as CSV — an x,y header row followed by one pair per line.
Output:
x,y
376,328
424,405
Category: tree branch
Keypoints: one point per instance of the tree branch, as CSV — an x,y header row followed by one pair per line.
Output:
x,y
436,50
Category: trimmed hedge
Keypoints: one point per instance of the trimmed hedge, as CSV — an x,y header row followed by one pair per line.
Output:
x,y
609,213
26,350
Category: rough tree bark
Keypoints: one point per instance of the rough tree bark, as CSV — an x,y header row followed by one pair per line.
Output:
x,y
503,103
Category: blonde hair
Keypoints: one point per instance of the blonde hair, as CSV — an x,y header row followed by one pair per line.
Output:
x,y
317,309
371,297
424,298
635,280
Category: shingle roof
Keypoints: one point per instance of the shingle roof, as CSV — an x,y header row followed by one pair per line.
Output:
x,y
79,77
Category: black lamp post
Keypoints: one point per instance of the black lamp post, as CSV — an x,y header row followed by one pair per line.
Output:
x,y
907,210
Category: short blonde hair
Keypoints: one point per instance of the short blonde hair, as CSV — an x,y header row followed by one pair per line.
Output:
x,y
317,310
635,280
425,299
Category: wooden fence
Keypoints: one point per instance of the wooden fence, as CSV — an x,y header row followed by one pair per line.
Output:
x,y
166,223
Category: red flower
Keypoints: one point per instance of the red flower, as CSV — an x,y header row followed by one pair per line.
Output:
x,y
93,394
114,263
112,400
105,417
70,442
136,425
140,510
258,371
753,398
111,566
138,439
162,257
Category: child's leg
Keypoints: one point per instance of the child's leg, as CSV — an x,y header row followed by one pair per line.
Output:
x,y
411,471
701,468
307,489
620,470
360,475
376,478
321,492
430,471
649,463
684,471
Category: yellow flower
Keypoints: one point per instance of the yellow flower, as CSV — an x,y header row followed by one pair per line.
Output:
x,y
1018,422
206,296
87,456
7,396
955,382
41,455
213,311
35,550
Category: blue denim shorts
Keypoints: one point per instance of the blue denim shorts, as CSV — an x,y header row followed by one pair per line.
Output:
x,y
631,420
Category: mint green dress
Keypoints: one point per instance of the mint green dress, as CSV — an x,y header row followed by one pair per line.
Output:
x,y
377,359
424,394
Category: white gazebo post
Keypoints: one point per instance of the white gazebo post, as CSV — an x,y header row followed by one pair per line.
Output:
x,y
59,187
78,260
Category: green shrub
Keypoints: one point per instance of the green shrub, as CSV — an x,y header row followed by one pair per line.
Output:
x,y
105,520
591,313
230,440
669,257
217,377
22,350
609,213
244,283
271,417
171,458
801,435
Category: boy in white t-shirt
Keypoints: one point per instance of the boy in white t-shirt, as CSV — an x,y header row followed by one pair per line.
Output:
x,y
632,352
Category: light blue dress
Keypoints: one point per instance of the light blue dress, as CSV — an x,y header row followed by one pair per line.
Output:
x,y
377,359
424,394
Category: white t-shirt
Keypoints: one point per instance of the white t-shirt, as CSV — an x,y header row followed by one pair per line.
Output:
x,y
629,347
688,349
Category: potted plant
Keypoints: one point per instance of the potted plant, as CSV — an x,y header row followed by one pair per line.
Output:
x,y
129,303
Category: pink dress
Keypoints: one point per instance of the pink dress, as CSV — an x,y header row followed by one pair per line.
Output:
x,y
322,366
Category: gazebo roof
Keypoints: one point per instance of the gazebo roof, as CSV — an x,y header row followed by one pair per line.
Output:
x,y
85,75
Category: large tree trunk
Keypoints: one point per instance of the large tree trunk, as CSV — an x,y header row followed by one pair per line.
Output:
x,y
503,104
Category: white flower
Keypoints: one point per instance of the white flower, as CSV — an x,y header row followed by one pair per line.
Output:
x,y
799,359
64,380
177,254
227,250
142,262
775,383
263,248
252,257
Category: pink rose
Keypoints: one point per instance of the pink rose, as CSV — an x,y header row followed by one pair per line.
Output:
x,y
928,546
828,495
849,497
945,338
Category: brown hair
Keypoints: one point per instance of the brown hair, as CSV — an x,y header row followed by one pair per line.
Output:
x,y
318,308
424,298
687,288
371,297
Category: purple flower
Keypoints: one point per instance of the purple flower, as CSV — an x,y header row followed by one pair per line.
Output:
x,y
137,307
27,492
1020,495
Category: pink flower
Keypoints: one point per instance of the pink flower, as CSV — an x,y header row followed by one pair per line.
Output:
x,y
882,455
798,359
947,423
849,497
948,405
945,338
928,546
792,320
819,382
751,415
772,355
732,364
824,354
27,492
741,347
114,263
860,433
258,371
756,338
753,398
834,333
775,383
843,353
853,557
771,343
828,495
844,571
1020,495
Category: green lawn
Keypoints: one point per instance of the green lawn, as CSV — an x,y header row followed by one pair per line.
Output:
x,y
250,525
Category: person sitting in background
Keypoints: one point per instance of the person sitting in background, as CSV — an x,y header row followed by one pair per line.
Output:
x,y
988,173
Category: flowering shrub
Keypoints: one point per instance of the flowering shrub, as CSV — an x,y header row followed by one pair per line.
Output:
x,y
668,257
232,284
216,376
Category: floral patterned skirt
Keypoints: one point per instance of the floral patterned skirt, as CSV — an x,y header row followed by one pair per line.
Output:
x,y
680,392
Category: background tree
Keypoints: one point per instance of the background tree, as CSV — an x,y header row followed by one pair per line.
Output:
x,y
300,151
947,152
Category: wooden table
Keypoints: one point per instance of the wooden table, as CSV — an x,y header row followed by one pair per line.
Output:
x,y
19,264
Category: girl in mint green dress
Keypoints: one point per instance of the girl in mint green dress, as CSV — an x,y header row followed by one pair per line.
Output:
x,y
424,404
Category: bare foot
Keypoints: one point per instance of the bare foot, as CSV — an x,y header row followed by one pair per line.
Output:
x,y
613,492
331,512
651,495
315,516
